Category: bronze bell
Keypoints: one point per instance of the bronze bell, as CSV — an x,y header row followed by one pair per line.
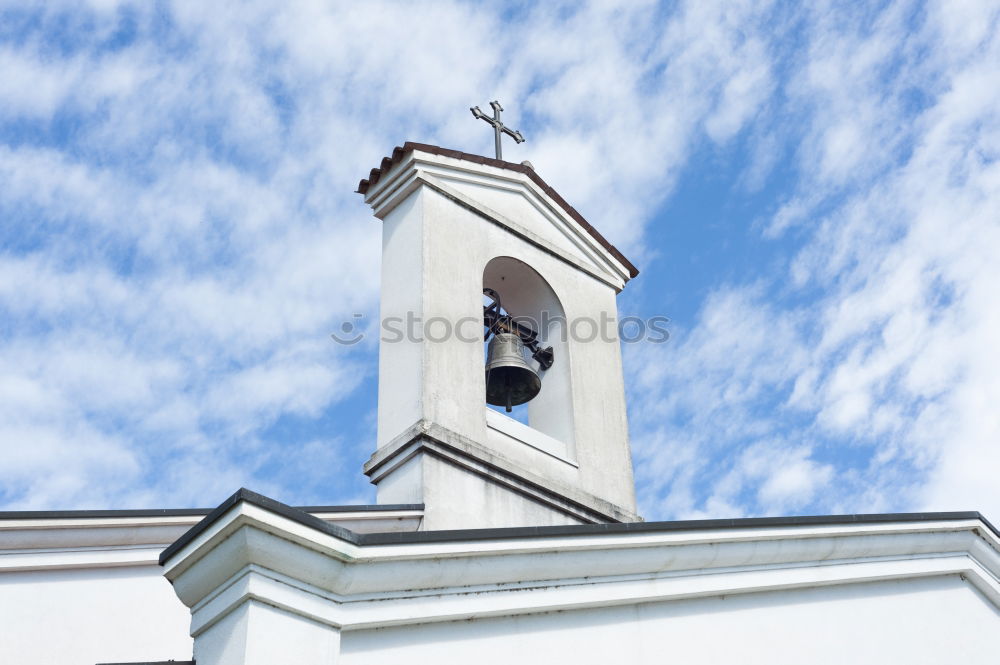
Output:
x,y
509,379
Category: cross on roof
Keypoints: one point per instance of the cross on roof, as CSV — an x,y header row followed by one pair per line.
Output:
x,y
498,127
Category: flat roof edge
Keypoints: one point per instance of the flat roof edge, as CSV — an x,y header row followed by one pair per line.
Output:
x,y
244,495
188,512
667,526
155,662
415,537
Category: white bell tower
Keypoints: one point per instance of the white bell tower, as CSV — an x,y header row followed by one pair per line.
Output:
x,y
454,223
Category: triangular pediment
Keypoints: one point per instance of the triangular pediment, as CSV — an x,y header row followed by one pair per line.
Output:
x,y
506,193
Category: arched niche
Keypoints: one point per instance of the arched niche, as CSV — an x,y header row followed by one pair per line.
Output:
x,y
527,297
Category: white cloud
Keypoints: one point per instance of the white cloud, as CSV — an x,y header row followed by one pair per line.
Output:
x,y
186,237
892,366
182,236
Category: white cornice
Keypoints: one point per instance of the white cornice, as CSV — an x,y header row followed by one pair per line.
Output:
x,y
41,543
253,553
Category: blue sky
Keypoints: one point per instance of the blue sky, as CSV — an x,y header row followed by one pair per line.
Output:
x,y
811,192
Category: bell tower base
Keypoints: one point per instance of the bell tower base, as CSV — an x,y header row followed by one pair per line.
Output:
x,y
463,484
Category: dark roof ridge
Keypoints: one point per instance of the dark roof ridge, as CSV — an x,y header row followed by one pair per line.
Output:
x,y
406,538
400,151
253,498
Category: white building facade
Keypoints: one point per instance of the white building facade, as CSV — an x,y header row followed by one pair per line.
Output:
x,y
493,540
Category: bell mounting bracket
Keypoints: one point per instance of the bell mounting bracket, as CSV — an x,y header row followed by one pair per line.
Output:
x,y
495,320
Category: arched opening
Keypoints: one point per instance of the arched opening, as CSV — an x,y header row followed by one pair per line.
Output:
x,y
527,297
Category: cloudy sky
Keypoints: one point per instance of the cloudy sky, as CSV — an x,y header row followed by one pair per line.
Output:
x,y
811,191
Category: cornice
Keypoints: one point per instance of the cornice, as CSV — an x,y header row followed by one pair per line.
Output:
x,y
252,552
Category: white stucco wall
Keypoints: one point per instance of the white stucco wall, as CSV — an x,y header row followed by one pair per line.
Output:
x,y
88,616
259,634
80,590
474,500
929,620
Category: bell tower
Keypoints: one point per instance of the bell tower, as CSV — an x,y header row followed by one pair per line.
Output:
x,y
476,248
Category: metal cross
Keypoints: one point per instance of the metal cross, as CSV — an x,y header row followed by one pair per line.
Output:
x,y
498,127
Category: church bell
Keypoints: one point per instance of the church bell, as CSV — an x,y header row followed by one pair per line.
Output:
x,y
510,380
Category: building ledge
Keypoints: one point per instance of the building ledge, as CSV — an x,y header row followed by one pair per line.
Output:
x,y
256,549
